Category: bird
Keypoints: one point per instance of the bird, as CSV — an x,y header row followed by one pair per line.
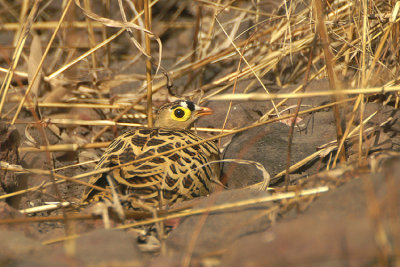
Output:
x,y
164,179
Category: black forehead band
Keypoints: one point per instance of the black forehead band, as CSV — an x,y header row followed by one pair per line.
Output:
x,y
190,105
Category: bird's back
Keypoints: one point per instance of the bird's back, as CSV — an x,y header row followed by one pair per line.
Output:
x,y
163,179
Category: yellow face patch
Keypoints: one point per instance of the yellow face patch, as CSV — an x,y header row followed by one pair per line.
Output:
x,y
181,114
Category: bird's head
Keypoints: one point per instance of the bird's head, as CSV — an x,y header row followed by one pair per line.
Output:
x,y
179,114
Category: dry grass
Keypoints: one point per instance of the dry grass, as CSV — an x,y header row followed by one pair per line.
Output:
x,y
355,44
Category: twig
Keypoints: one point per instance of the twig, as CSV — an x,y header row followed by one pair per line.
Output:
x,y
296,113
330,65
147,23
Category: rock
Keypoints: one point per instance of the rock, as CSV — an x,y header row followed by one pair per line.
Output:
x,y
306,243
97,248
7,212
9,180
241,114
214,231
46,256
268,145
16,249
108,247
339,229
177,261
14,244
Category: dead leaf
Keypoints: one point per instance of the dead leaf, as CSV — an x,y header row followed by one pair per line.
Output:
x,y
29,138
35,56
56,95
289,121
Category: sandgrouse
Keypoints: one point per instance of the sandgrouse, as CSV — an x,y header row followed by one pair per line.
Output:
x,y
164,179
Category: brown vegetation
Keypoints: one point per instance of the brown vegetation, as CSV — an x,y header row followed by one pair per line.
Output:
x,y
305,97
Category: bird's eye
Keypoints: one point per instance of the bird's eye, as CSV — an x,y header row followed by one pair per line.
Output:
x,y
181,114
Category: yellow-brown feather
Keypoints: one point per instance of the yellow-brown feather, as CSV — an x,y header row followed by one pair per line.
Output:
x,y
162,180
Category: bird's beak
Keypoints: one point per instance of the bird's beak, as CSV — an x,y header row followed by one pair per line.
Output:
x,y
204,111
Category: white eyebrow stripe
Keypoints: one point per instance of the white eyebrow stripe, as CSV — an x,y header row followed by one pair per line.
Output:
x,y
183,104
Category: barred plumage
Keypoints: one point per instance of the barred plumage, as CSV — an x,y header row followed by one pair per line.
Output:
x,y
166,179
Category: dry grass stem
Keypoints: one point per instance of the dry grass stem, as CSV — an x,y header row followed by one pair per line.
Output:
x,y
264,97
47,207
